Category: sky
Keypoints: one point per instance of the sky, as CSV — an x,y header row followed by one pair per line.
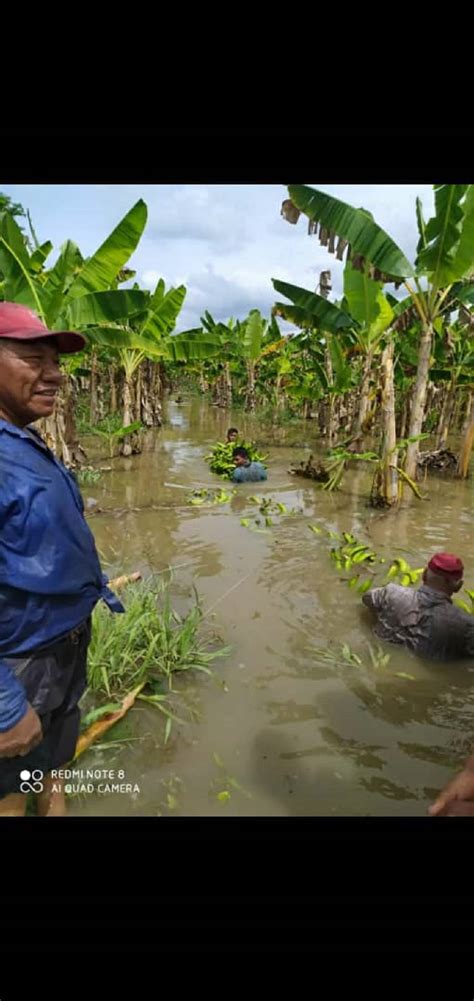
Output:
x,y
224,242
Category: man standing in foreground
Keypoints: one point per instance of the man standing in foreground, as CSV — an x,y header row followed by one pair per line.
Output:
x,y
50,575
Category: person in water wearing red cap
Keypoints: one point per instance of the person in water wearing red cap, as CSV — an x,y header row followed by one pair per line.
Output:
x,y
50,574
425,620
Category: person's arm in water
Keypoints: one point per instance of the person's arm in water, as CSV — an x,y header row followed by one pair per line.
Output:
x,y
374,598
457,798
263,473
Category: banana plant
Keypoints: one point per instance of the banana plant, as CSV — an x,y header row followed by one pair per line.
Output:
x,y
443,266
250,336
324,325
455,357
373,314
75,293
225,333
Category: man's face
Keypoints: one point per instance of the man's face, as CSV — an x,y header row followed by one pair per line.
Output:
x,y
232,436
240,460
29,379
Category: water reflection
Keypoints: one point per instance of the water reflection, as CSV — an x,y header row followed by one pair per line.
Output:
x,y
303,736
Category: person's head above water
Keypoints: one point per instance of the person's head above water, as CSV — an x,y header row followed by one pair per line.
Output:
x,y
232,434
444,573
30,376
241,457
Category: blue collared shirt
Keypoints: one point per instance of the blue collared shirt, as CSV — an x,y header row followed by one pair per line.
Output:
x,y
50,574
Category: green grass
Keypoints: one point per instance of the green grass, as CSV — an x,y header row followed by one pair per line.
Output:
x,y
150,643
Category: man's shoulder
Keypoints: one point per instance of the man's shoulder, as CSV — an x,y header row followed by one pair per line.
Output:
x,y
459,615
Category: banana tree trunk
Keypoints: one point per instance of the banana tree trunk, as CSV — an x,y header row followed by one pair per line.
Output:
x,y
454,423
351,409
419,399
330,414
203,383
150,411
126,448
250,401
385,485
228,384
113,389
445,417
138,394
364,392
59,431
94,409
403,418
279,395
466,451
467,412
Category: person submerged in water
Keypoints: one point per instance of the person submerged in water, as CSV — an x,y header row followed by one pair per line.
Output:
x,y
231,435
246,471
425,620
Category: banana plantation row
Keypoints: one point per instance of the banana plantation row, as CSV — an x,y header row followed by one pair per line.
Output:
x,y
391,361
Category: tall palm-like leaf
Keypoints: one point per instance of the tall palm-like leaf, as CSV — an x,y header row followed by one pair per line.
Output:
x,y
353,228
100,270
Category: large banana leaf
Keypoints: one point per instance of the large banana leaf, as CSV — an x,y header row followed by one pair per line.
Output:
x,y
102,268
321,373
164,312
293,314
253,331
324,314
368,241
124,339
361,293
461,292
384,318
58,280
342,370
443,236
38,258
106,307
20,284
193,345
421,226
463,263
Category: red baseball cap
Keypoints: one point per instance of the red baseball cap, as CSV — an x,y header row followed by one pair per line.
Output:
x,y
446,563
21,324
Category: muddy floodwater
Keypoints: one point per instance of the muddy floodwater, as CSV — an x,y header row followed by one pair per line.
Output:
x,y
277,731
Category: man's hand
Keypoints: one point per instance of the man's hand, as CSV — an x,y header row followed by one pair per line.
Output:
x,y
457,798
119,582
22,737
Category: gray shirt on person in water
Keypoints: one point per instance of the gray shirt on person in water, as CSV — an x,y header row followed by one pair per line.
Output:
x,y
250,473
425,621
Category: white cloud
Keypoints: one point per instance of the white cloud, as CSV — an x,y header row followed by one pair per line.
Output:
x,y
224,242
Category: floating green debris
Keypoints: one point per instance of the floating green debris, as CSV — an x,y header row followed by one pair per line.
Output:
x,y
209,496
269,509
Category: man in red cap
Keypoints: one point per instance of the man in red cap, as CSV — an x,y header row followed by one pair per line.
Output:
x,y
50,575
425,620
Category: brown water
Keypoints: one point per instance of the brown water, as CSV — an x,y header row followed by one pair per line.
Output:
x,y
281,732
